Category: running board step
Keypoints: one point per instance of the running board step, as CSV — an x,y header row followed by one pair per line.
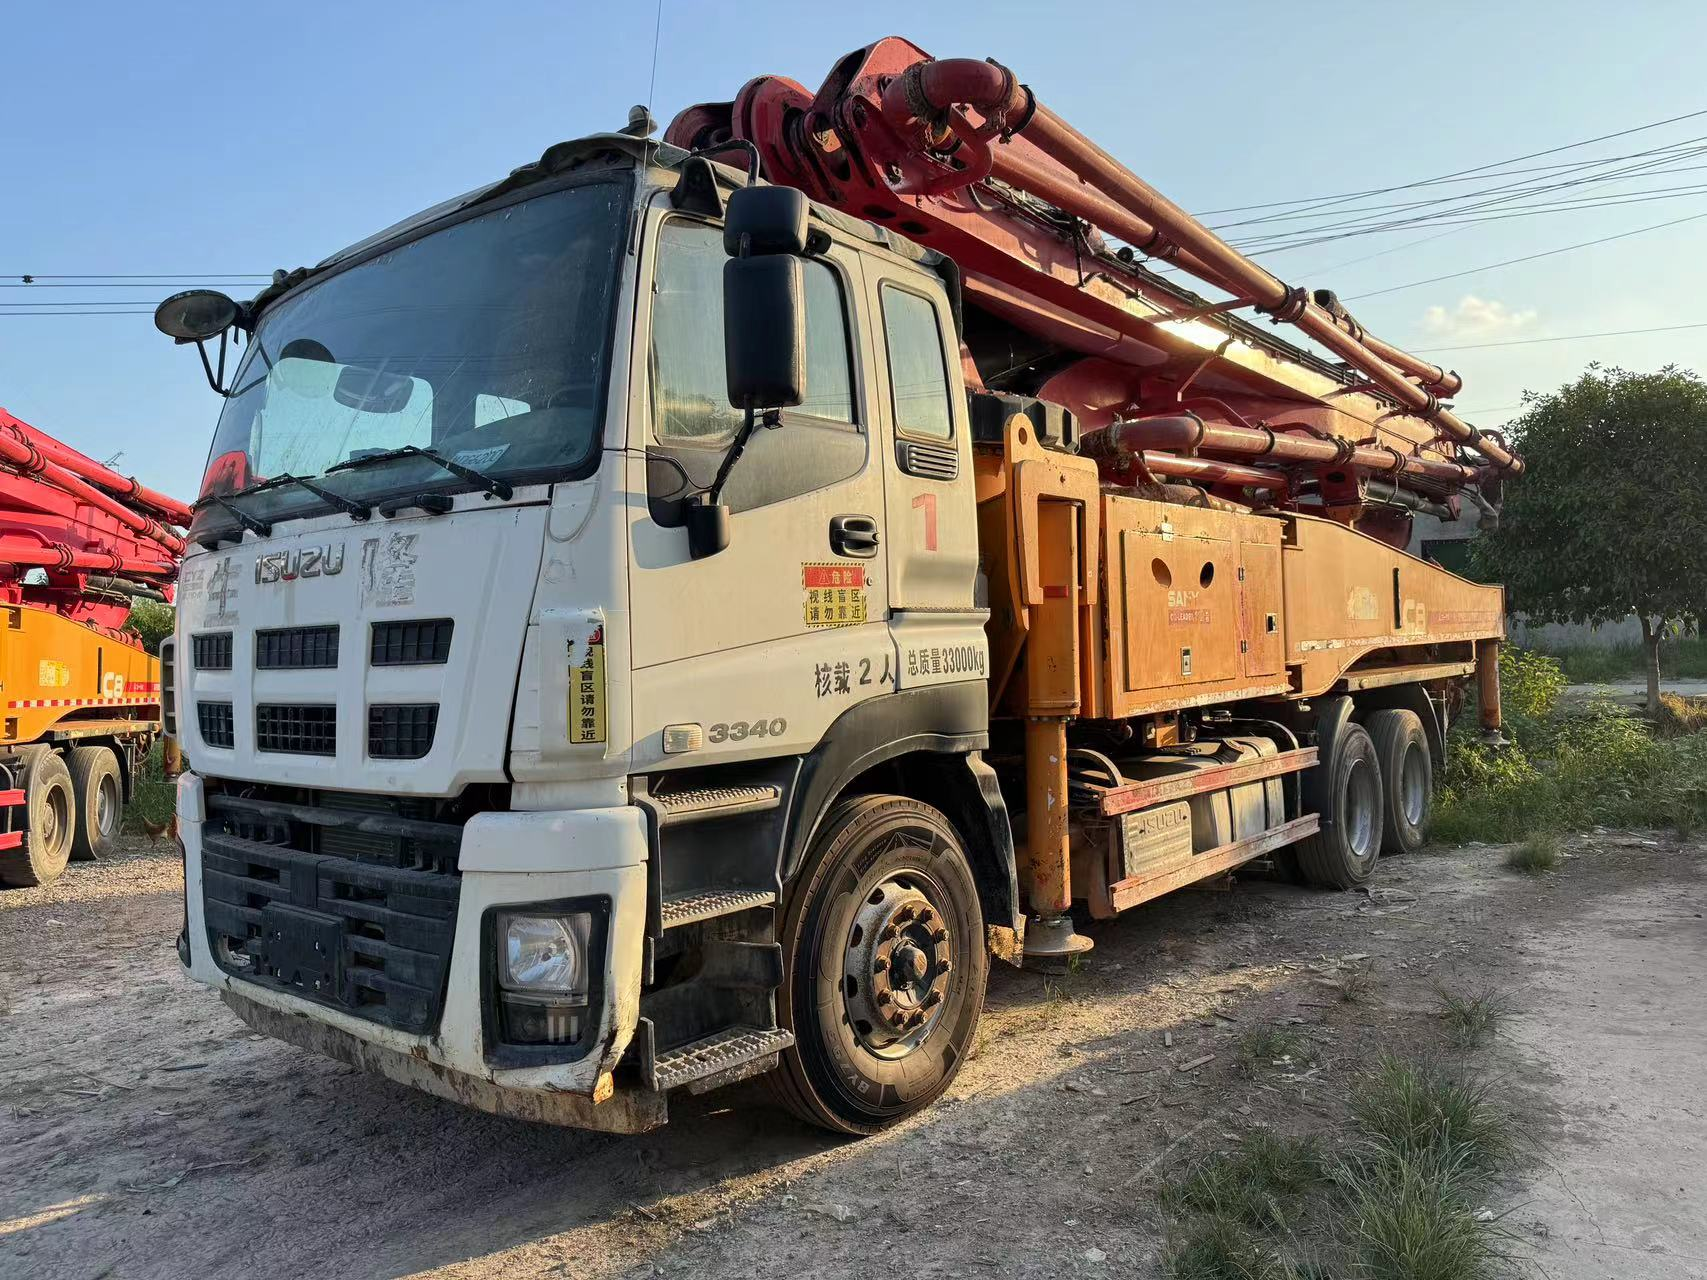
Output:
x,y
678,807
730,1054
706,904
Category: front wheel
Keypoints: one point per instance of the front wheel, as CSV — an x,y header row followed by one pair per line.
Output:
x,y
884,966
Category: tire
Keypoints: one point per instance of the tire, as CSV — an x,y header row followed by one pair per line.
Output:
x,y
1407,778
1342,854
49,810
99,793
857,1066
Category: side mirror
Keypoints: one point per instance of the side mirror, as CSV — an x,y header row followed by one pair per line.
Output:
x,y
195,316
764,332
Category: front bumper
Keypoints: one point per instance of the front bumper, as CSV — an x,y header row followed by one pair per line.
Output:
x,y
506,859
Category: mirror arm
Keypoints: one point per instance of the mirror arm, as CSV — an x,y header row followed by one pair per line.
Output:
x,y
216,380
714,494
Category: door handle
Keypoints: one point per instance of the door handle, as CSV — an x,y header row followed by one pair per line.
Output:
x,y
854,536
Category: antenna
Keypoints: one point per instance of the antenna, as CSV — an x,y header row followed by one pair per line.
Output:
x,y
657,30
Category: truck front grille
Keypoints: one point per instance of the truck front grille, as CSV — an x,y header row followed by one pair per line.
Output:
x,y
296,648
347,900
212,651
397,731
214,721
416,643
296,728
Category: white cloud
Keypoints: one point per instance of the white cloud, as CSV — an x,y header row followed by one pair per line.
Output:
x,y
1477,318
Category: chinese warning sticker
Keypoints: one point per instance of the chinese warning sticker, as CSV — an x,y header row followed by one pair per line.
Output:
x,y
835,594
587,691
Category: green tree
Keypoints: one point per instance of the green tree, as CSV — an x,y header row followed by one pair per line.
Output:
x,y
151,622
1610,515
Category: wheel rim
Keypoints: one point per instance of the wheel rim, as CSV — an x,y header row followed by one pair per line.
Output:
x,y
106,807
1360,798
896,964
1413,786
56,818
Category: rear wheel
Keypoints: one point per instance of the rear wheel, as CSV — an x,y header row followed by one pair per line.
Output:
x,y
49,810
884,966
100,802
1407,777
1342,854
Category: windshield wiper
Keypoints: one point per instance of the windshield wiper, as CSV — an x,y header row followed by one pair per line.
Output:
x,y
494,488
258,527
349,506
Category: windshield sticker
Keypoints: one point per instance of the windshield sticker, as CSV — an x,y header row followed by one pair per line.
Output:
x,y
480,459
388,569
835,594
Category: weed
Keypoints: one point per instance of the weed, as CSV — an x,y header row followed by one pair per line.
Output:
x,y
1351,984
1684,656
1411,1218
1473,1019
1252,1184
1680,715
1272,1046
1412,1110
1537,854
1219,1248
153,796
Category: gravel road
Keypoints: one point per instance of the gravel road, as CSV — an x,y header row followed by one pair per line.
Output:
x,y
145,1132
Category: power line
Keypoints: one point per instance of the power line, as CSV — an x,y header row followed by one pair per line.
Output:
x,y
1364,225
1569,337
111,284
7,314
81,302
1529,257
145,275
1460,173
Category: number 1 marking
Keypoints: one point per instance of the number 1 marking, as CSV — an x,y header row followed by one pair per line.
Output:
x,y
928,502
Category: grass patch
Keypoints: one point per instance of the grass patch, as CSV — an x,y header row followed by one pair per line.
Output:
x,y
1681,715
1411,1111
1218,1248
1273,1047
1411,1218
1684,656
1473,1019
1254,1184
1571,766
1537,854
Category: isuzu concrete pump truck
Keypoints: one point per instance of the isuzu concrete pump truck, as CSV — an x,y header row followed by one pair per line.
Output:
x,y
675,613
79,695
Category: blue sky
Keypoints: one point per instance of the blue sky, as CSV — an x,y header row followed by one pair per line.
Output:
x,y
188,138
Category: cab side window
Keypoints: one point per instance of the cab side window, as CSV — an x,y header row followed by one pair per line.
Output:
x,y
918,376
821,440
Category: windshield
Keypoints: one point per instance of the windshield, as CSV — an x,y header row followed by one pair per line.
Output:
x,y
486,341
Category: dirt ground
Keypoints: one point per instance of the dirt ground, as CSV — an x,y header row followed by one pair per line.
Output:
x,y
145,1132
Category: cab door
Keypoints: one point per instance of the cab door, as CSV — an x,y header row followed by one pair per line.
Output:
x,y
763,644
932,523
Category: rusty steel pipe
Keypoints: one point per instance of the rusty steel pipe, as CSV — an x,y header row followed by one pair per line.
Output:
x,y
1208,471
1187,433
17,453
1205,254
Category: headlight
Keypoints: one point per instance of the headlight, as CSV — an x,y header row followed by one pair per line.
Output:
x,y
544,954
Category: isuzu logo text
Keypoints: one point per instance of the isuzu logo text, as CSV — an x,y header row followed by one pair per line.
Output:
x,y
288,566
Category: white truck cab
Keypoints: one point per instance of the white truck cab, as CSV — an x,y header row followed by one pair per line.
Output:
x,y
505,783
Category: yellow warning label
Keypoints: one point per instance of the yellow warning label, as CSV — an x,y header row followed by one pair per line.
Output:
x,y
52,675
587,692
835,594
